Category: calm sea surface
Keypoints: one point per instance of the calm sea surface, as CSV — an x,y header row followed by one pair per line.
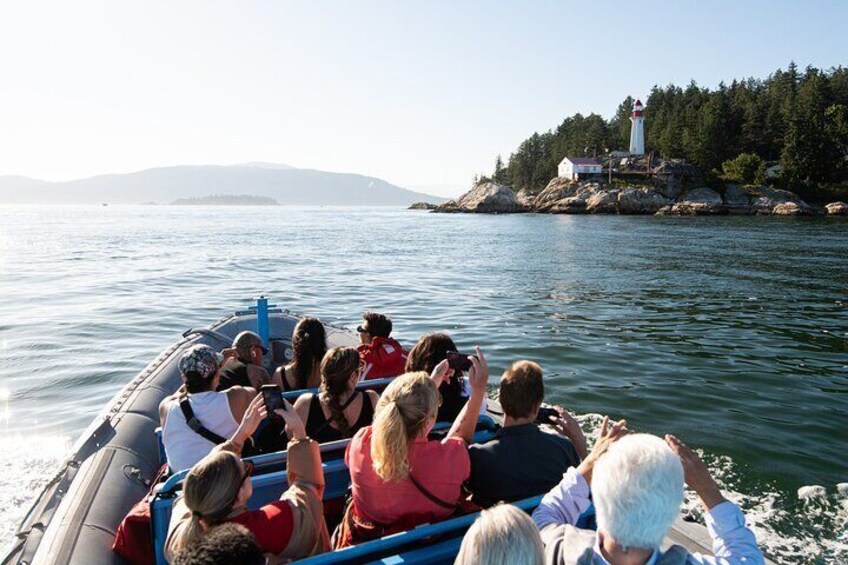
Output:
x,y
730,332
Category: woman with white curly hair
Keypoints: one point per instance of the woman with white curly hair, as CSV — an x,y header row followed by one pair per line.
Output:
x,y
502,535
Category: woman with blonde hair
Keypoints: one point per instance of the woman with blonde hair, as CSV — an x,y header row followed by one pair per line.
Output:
x,y
399,478
217,489
338,411
502,535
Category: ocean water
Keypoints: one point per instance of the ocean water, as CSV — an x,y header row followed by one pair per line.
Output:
x,y
731,333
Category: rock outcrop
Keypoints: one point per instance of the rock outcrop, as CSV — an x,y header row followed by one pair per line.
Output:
x,y
736,200
633,200
422,206
525,198
603,202
766,201
566,196
485,198
697,202
836,209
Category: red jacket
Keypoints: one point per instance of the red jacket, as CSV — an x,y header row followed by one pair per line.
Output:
x,y
384,357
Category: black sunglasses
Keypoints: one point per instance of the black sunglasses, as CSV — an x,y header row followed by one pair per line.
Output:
x,y
361,330
248,470
263,348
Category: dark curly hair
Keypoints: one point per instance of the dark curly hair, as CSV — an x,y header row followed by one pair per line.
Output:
x,y
227,543
309,344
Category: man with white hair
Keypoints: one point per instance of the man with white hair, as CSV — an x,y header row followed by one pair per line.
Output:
x,y
637,486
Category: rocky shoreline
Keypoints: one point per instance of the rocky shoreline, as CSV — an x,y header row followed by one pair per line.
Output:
x,y
564,196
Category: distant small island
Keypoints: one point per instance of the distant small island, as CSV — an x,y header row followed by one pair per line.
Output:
x,y
226,200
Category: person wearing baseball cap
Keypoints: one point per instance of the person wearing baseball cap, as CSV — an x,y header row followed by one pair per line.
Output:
x,y
197,417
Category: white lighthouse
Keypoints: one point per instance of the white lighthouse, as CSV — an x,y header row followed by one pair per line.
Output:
x,y
637,130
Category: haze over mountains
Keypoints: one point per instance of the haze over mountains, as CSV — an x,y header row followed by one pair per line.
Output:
x,y
287,185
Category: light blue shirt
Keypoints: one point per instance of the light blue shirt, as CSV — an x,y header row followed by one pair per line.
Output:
x,y
733,542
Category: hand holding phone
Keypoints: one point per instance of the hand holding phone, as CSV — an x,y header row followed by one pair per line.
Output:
x,y
273,398
546,415
458,361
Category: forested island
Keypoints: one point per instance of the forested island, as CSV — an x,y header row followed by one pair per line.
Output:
x,y
774,146
226,200
796,121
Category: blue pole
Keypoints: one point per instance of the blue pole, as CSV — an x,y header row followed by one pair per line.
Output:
x,y
263,327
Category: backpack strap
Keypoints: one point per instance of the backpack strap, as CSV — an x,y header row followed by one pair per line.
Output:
x,y
195,424
432,497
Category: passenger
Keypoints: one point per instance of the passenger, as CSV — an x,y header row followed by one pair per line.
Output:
x,y
215,415
637,488
338,411
309,344
223,545
503,535
383,356
217,490
399,478
244,368
431,350
500,468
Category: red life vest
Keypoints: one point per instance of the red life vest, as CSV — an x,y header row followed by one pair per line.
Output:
x,y
384,357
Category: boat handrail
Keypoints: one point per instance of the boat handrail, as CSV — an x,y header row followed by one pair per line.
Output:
x,y
174,482
210,333
367,550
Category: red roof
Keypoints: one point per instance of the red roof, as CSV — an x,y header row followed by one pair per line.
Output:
x,y
583,160
638,102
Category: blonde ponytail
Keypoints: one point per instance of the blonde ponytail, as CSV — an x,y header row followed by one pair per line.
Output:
x,y
209,491
403,411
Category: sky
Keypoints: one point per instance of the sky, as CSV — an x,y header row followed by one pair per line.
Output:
x,y
416,93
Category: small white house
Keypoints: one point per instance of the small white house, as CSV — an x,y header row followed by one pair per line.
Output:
x,y
576,167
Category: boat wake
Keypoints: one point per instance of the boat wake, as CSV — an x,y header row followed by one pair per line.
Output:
x,y
27,462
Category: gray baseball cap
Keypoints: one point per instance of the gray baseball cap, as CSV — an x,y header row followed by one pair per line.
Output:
x,y
201,359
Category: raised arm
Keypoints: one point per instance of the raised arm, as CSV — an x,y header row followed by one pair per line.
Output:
x,y
304,457
253,416
466,422
733,542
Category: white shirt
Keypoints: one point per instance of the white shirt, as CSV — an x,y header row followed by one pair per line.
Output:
x,y
183,446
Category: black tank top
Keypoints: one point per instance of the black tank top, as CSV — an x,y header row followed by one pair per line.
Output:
x,y
233,374
319,429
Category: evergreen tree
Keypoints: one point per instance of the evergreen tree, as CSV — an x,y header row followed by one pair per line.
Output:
x,y
799,118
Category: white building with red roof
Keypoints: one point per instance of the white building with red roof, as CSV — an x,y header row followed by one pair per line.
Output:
x,y
576,167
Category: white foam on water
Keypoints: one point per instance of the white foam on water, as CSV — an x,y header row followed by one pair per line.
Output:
x,y
810,527
27,463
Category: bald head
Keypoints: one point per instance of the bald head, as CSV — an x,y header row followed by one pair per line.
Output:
x,y
244,343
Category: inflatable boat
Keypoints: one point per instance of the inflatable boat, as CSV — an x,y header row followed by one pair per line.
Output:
x,y
74,519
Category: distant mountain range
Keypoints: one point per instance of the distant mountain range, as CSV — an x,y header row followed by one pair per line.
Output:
x,y
285,184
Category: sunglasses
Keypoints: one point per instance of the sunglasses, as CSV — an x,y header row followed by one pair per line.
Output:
x,y
248,471
361,330
263,348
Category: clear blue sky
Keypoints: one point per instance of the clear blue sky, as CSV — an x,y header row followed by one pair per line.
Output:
x,y
415,93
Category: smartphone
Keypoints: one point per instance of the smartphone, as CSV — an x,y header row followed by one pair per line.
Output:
x,y
458,361
546,415
273,398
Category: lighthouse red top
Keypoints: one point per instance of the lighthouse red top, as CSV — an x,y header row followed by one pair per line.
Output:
x,y
637,109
